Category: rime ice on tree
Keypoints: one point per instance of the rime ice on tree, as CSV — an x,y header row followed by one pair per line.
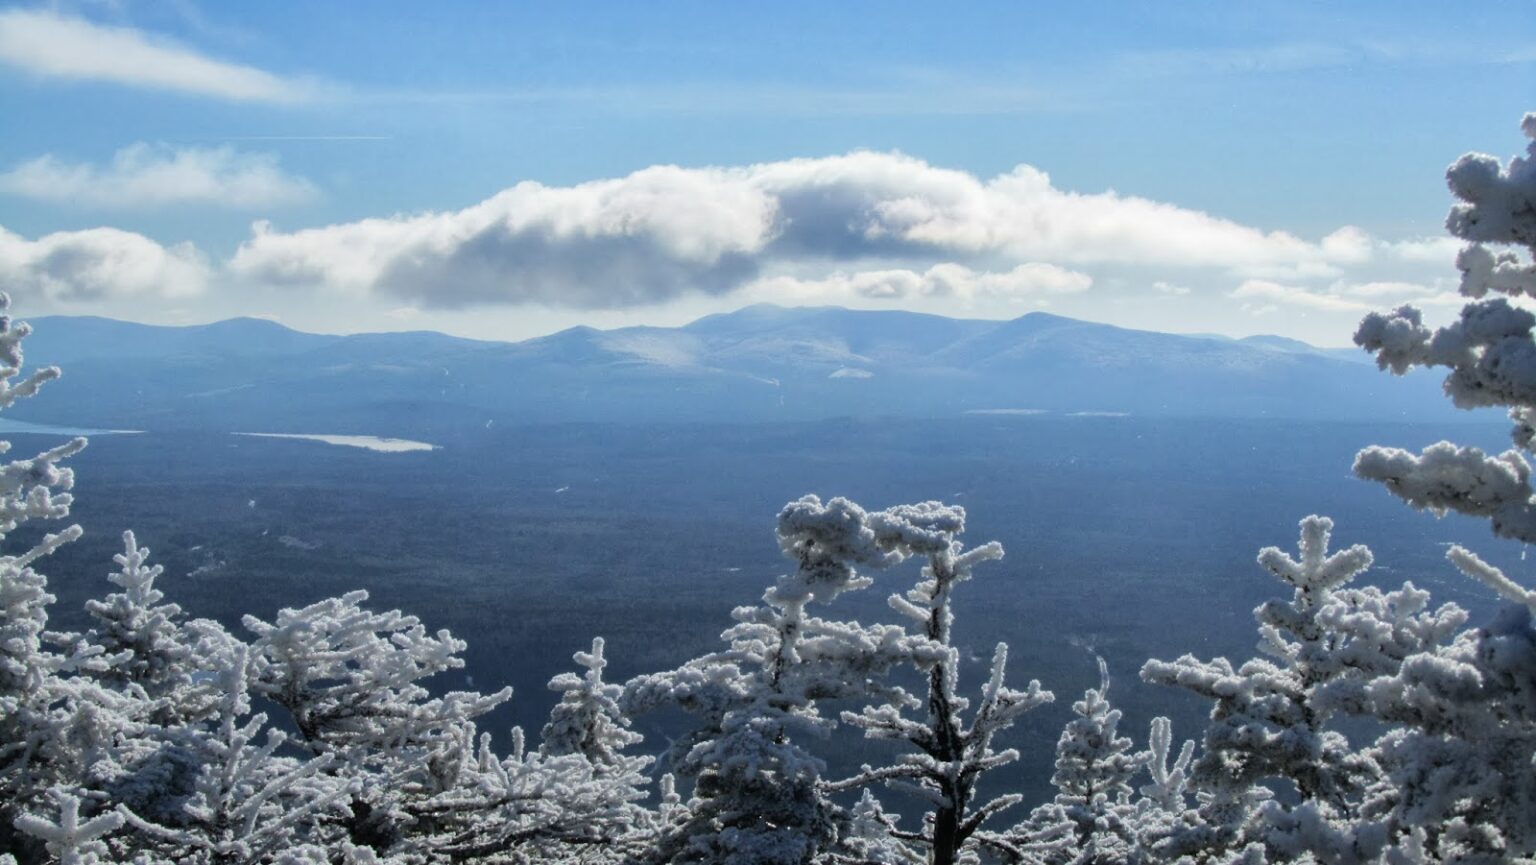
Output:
x,y
948,755
757,786
36,706
1460,758
1094,767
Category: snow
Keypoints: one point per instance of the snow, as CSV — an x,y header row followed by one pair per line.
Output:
x,y
372,443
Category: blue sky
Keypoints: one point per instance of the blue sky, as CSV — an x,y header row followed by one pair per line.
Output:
x,y
1274,167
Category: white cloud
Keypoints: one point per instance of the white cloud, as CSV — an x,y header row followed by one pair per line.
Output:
x,y
1426,250
145,175
52,45
656,234
947,281
1275,293
1342,296
99,264
1382,289
873,203
1169,288
666,232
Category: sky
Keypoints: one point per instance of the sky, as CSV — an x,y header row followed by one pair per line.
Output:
x,y
503,170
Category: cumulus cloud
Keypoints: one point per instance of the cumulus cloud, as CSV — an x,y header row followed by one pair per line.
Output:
x,y
79,267
145,175
644,238
667,231
878,203
48,44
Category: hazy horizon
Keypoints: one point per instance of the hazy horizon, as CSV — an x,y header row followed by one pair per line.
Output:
x,y
783,306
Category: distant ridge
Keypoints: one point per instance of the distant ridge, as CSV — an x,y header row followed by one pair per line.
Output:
x,y
759,363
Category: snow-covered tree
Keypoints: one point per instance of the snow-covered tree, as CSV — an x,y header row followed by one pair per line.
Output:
x,y
352,681
246,800
1094,768
1273,727
150,648
588,720
352,677
948,755
531,807
1488,351
757,794
1459,763
42,713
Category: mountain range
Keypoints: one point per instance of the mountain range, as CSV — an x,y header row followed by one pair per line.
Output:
x,y
761,363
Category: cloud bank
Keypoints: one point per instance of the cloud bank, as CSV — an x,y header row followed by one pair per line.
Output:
x,y
865,229
51,45
668,231
151,176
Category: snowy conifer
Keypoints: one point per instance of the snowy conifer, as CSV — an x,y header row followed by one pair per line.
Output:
x,y
1488,351
948,755
588,720
245,800
757,787
150,647
529,806
1094,767
1459,758
1273,727
41,711
352,680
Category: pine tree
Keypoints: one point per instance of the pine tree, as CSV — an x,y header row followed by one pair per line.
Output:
x,y
758,794
1273,725
351,679
531,807
150,648
248,799
1094,767
44,714
949,756
1460,783
588,720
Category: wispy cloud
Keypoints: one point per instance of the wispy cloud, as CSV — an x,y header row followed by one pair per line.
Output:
x,y
1256,59
52,45
306,138
146,175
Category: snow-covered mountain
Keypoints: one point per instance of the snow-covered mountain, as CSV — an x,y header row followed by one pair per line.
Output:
x,y
760,363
